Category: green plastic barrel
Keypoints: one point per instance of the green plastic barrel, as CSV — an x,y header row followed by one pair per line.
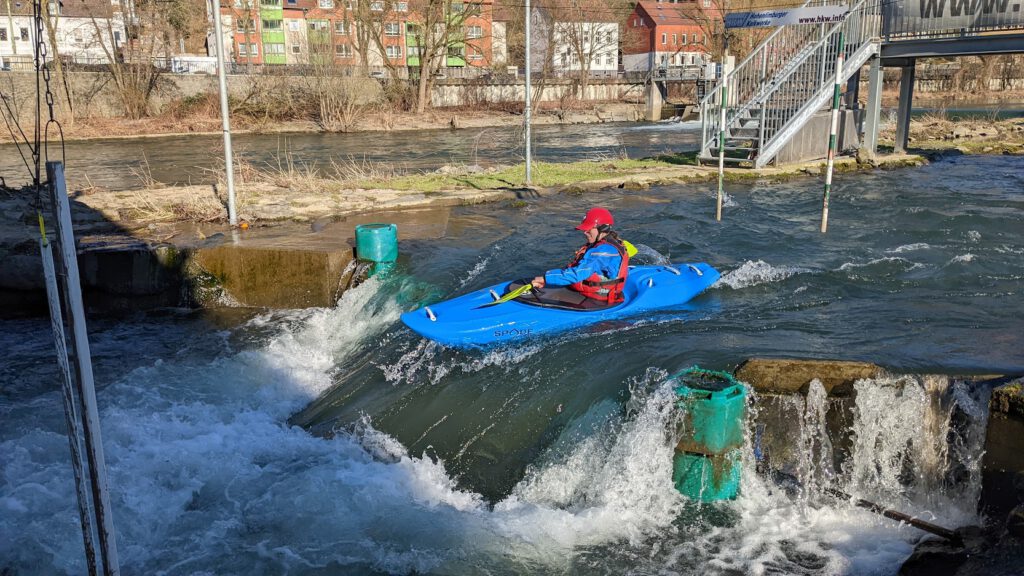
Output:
x,y
377,243
707,478
714,409
707,462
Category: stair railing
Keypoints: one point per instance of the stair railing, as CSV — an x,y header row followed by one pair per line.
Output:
x,y
752,80
806,86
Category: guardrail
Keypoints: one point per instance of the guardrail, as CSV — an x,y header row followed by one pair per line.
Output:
x,y
936,19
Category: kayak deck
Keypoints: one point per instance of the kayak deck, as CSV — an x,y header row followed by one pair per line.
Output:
x,y
467,321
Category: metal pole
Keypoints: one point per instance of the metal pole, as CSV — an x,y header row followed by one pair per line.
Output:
x,y
721,146
70,413
83,366
229,167
529,179
832,136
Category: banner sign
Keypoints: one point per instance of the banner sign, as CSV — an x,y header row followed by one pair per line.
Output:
x,y
786,17
921,16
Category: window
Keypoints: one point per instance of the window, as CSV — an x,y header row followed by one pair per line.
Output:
x,y
343,50
636,22
475,54
293,2
243,50
318,25
24,34
684,38
394,51
247,25
294,25
271,25
402,7
608,59
377,6
327,4
675,39
707,3
458,7
117,37
410,28
3,34
254,49
270,2
664,38
474,32
296,49
392,29
273,48
341,28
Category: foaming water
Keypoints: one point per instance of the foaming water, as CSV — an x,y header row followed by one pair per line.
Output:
x,y
756,273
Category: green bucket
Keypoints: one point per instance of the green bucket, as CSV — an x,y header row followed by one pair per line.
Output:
x,y
707,478
377,243
714,410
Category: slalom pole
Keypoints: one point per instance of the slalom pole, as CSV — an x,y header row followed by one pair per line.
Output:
x,y
721,146
832,136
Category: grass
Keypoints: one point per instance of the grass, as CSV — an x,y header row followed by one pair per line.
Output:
x,y
546,174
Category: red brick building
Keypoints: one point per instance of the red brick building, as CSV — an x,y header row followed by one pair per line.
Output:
x,y
663,34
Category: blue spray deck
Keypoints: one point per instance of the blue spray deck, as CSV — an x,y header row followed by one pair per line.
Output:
x,y
461,322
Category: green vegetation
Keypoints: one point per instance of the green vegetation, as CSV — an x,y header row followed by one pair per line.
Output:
x,y
544,174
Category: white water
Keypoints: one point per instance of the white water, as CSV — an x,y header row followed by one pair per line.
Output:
x,y
207,477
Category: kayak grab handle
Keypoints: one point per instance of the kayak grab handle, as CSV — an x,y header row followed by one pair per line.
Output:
x,y
650,282
672,269
430,314
494,295
695,270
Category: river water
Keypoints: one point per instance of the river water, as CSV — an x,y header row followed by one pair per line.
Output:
x,y
120,164
334,441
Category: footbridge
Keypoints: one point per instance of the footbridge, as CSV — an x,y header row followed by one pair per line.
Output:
x,y
776,92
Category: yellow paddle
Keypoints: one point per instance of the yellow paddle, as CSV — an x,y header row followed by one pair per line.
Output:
x,y
510,296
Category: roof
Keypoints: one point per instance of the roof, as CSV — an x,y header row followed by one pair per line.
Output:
x,y
669,13
86,8
505,11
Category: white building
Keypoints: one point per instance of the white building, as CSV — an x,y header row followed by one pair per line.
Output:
x,y
575,42
86,31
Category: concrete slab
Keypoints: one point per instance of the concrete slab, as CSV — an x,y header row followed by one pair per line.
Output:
x,y
786,376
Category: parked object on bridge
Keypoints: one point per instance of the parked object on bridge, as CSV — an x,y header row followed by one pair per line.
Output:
x,y
707,461
465,322
377,243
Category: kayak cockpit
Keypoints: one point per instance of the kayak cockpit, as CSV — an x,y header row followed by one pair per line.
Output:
x,y
559,298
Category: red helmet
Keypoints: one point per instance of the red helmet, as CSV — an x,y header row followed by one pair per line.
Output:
x,y
595,218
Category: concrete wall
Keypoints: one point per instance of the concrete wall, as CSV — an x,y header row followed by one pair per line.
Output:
x,y
94,94
811,142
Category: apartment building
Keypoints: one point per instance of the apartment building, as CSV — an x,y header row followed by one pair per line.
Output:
x,y
667,34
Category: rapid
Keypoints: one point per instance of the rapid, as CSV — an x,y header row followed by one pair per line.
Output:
x,y
335,441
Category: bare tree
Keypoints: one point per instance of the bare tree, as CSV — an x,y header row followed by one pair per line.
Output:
x,y
585,34
438,32
339,100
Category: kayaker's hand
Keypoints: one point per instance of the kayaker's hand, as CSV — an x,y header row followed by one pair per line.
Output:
x,y
538,282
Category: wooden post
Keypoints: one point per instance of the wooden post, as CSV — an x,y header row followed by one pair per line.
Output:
x,y
833,135
67,389
83,369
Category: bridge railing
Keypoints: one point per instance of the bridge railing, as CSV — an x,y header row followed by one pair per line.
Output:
x,y
914,19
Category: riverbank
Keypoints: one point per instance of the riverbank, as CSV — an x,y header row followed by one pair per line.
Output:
x,y
206,122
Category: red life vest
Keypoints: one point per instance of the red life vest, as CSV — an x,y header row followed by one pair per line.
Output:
x,y
597,287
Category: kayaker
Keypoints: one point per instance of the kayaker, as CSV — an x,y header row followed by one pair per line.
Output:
x,y
599,268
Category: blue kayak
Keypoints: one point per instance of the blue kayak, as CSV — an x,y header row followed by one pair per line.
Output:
x,y
467,321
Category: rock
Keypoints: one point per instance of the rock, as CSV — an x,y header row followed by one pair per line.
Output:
x,y
782,376
934,558
634,185
573,190
1015,522
866,157
455,123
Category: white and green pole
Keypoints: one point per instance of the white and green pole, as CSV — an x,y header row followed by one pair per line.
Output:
x,y
721,145
833,135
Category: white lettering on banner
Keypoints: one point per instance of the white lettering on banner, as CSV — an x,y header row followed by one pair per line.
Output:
x,y
766,18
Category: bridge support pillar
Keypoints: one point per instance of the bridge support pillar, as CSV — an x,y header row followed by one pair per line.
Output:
x,y
654,101
903,112
873,108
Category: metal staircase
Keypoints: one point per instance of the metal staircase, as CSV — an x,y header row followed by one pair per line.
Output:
x,y
775,90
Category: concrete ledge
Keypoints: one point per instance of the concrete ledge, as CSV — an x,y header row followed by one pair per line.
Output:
x,y
785,376
1002,466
